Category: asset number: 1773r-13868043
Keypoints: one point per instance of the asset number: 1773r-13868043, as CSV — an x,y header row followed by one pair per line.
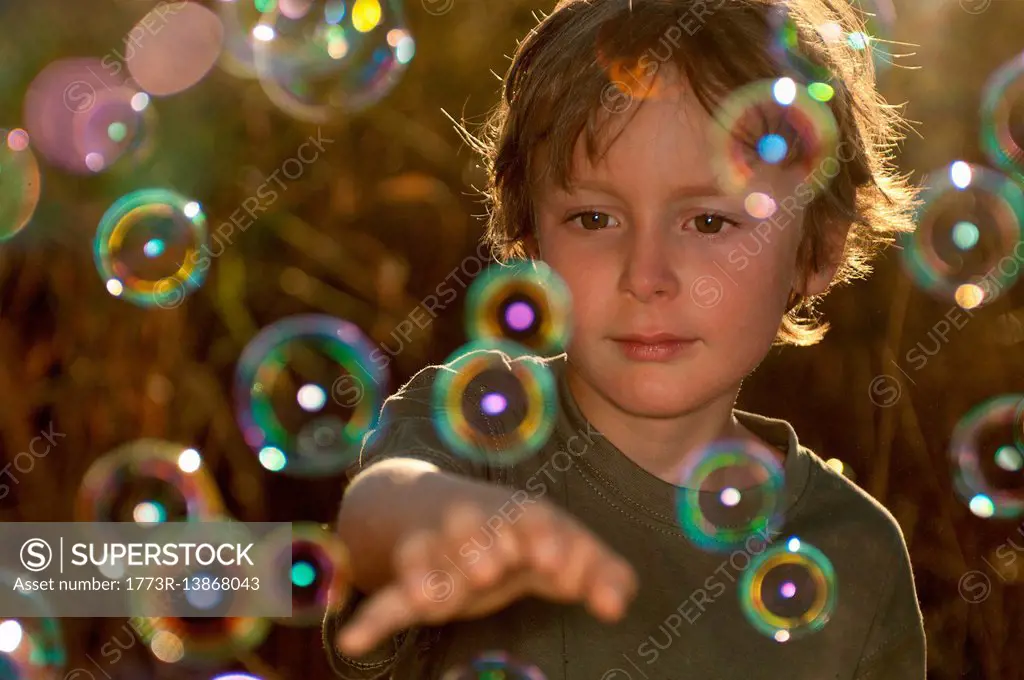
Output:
x,y
192,583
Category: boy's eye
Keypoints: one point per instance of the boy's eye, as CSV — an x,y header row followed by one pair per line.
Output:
x,y
593,220
710,223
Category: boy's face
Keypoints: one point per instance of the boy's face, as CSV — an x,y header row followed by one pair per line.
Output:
x,y
649,248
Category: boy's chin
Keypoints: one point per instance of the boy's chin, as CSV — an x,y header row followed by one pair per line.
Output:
x,y
653,393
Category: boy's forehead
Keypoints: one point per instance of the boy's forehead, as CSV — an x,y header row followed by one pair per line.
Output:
x,y
667,130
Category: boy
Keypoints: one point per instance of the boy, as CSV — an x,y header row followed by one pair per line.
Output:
x,y
452,558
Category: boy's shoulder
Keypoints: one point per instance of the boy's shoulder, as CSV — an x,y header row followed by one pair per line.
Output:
x,y
849,509
419,389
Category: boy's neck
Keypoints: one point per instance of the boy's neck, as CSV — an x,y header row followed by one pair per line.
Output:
x,y
658,445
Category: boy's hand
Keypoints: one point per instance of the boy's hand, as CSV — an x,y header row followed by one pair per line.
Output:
x,y
443,575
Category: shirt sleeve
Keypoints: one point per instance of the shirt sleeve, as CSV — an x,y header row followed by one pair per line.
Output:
x,y
405,429
895,647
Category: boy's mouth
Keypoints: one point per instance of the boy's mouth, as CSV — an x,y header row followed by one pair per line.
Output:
x,y
654,347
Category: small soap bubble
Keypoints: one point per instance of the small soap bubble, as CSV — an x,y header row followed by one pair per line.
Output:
x,y
773,131
788,592
986,459
525,302
144,481
967,247
181,44
491,408
306,391
313,558
728,492
149,248
316,60
84,117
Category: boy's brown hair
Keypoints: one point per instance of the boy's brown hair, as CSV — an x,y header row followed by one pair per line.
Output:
x,y
559,80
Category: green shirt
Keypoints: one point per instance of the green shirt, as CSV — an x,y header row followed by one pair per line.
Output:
x,y
686,621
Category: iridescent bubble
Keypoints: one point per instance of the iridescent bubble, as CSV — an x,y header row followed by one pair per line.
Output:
x,y
315,558
236,676
31,644
147,473
525,302
147,248
485,370
728,492
770,127
316,59
495,665
19,182
986,471
84,117
175,46
789,591
967,247
1002,117
282,381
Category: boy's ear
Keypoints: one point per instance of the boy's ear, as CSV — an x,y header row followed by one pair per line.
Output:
x,y
532,246
817,282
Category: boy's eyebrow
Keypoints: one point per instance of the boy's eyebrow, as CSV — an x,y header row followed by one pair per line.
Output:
x,y
680,192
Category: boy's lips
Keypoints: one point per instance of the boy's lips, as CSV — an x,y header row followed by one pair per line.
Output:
x,y
653,347
651,338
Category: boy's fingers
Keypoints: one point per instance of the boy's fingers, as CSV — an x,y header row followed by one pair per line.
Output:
x,y
385,613
508,548
543,536
611,586
569,580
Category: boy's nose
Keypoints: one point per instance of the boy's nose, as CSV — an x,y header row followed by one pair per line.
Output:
x,y
647,272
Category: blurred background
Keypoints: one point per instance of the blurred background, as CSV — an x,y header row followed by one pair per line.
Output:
x,y
338,186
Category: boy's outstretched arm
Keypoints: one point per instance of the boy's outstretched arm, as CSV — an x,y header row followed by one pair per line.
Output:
x,y
407,525
895,648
